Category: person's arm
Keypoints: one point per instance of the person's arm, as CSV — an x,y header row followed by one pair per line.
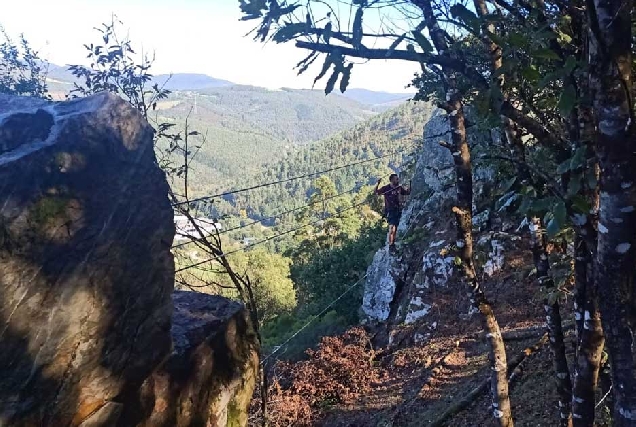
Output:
x,y
377,189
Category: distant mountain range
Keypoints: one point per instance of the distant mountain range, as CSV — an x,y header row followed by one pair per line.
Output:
x,y
61,78
189,81
371,97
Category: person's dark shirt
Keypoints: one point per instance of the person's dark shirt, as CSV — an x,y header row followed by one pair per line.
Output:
x,y
392,196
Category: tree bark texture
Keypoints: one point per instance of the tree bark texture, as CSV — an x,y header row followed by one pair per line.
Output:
x,y
589,350
463,214
553,322
615,270
590,339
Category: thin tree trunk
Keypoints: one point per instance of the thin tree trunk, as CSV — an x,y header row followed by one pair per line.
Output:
x,y
463,214
615,270
581,285
553,321
588,354
589,332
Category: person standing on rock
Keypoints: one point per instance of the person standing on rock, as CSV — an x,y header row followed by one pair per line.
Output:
x,y
392,206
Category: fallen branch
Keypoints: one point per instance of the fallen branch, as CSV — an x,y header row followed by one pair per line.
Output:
x,y
483,386
526,333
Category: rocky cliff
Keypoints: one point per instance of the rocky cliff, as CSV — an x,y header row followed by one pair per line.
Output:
x,y
402,288
86,278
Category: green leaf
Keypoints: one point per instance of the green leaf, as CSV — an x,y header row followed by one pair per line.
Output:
x,y
574,186
580,204
467,16
424,43
564,167
482,102
531,73
564,38
332,81
524,207
506,200
346,76
542,205
529,190
458,261
578,158
518,40
508,184
560,213
548,78
567,100
570,65
552,228
545,53
325,68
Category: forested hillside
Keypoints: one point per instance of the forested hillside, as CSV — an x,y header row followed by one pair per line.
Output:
x,y
248,127
390,137
243,128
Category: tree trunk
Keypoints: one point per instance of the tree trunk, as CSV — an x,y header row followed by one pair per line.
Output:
x,y
553,321
589,332
589,350
615,268
463,214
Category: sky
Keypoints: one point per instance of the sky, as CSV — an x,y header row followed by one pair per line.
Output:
x,y
194,36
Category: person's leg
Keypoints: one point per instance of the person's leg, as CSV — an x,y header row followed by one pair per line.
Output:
x,y
392,233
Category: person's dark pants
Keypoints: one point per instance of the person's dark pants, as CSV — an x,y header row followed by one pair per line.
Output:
x,y
393,216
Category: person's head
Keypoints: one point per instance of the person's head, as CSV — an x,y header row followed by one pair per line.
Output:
x,y
394,179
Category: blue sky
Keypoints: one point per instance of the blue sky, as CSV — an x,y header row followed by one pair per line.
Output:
x,y
202,36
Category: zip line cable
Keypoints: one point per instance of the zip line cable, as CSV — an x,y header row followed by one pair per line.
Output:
x,y
337,214
309,175
238,227
324,310
266,239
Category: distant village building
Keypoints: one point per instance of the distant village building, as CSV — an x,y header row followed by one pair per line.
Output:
x,y
185,228
248,240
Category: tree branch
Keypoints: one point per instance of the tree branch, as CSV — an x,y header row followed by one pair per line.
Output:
x,y
535,128
365,53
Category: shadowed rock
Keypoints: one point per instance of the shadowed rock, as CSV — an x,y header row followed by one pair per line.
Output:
x,y
210,377
86,271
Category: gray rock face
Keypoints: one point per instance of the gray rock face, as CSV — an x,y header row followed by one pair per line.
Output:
x,y
210,376
435,163
401,288
86,271
379,288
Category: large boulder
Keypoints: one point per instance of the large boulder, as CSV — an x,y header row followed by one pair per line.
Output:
x,y
86,272
210,376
